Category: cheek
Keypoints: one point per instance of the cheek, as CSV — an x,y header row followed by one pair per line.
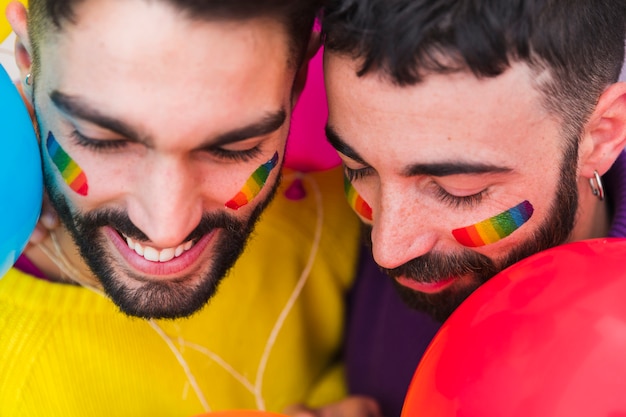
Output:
x,y
495,228
253,186
358,204
73,175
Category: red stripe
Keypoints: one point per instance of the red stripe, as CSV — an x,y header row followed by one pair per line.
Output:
x,y
238,201
468,236
80,184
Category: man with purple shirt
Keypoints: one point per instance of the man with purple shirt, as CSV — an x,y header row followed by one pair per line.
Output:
x,y
475,134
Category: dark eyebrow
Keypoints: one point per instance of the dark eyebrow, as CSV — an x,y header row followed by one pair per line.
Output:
x,y
444,169
341,146
78,108
270,123
437,169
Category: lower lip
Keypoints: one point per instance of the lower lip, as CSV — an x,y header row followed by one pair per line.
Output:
x,y
160,270
425,287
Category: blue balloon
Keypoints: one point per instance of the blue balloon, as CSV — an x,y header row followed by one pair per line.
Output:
x,y
21,183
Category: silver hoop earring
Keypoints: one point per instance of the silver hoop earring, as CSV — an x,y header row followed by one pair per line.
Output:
x,y
28,80
597,188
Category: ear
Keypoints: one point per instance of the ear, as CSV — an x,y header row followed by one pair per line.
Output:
x,y
604,136
17,17
301,75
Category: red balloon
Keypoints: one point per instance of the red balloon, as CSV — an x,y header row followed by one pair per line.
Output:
x,y
545,337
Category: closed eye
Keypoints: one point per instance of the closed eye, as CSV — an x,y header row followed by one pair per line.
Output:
x,y
357,174
460,201
98,144
245,155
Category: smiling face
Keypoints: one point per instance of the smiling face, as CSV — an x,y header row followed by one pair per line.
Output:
x,y
167,119
464,176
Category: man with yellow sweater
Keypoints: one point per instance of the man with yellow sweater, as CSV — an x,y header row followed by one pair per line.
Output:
x,y
162,127
267,339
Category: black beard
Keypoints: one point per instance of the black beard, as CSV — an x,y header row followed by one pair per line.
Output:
x,y
433,267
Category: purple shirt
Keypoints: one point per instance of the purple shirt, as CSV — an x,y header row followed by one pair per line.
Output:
x,y
385,339
25,265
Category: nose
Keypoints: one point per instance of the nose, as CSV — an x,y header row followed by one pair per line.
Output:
x,y
167,205
402,230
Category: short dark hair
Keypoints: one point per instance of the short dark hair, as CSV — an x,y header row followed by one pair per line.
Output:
x,y
296,15
580,43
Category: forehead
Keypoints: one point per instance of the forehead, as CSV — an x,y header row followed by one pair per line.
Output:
x,y
445,117
164,64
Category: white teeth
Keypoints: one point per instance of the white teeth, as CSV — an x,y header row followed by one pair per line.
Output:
x,y
135,246
151,254
155,255
166,255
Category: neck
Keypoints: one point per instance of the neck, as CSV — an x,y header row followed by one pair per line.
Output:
x,y
593,218
57,258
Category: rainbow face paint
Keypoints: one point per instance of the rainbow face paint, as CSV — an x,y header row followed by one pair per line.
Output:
x,y
356,202
253,186
72,174
496,228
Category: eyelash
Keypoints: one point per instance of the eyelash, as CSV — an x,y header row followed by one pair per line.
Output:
x,y
456,201
356,174
97,145
106,145
450,199
237,156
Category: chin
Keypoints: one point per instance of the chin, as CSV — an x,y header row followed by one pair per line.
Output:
x,y
438,305
161,299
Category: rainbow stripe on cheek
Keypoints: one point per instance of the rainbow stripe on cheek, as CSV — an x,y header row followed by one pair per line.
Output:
x,y
356,202
72,174
253,186
496,228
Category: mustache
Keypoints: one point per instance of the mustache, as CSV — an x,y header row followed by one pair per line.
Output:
x,y
121,222
434,267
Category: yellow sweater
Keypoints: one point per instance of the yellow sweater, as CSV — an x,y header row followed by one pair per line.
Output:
x,y
268,339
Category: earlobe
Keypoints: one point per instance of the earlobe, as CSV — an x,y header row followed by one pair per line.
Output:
x,y
605,133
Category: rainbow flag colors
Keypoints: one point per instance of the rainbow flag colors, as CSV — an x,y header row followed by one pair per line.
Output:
x,y
496,228
356,202
253,186
72,174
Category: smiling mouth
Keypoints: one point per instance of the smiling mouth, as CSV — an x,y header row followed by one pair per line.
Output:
x,y
158,255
